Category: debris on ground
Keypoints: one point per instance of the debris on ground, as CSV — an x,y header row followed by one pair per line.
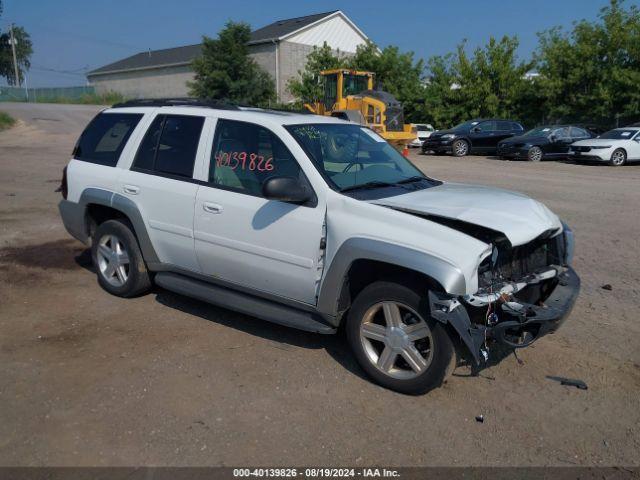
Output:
x,y
607,286
570,382
480,418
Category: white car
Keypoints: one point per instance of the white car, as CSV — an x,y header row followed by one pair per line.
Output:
x,y
313,222
423,131
616,147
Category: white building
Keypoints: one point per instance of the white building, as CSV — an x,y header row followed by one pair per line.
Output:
x,y
280,48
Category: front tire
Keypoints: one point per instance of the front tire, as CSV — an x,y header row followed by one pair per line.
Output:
x,y
535,154
395,340
118,260
460,148
618,158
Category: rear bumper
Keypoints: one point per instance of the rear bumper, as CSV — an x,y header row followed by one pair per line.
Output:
x,y
74,219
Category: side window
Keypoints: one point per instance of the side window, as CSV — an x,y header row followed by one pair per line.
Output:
x,y
146,155
244,155
105,137
503,126
579,133
516,126
170,145
562,133
486,126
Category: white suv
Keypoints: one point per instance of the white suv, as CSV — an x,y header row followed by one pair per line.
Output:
x,y
314,222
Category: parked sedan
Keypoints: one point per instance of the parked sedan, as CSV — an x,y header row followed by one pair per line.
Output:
x,y
474,136
549,141
615,147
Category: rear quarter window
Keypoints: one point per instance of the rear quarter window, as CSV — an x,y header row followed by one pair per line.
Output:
x,y
105,137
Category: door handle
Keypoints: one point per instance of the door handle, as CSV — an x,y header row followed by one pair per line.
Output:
x,y
212,207
131,189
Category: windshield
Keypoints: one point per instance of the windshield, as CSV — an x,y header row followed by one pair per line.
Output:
x,y
354,84
620,134
349,156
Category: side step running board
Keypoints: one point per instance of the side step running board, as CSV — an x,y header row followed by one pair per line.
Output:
x,y
242,302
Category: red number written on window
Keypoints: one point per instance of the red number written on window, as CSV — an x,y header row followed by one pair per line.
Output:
x,y
244,161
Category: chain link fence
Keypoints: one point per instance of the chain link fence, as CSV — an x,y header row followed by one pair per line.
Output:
x,y
43,95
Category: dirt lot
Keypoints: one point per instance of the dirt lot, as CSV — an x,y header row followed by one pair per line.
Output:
x,y
91,379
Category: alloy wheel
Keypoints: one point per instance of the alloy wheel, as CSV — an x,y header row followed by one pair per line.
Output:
x,y
396,340
113,260
618,158
535,154
460,148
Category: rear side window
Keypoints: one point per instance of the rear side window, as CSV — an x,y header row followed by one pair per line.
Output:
x,y
503,126
170,145
486,126
517,126
104,138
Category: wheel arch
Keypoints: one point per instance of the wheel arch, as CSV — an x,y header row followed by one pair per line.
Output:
x,y
360,261
101,205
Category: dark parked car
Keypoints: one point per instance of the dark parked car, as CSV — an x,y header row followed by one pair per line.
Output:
x,y
474,136
549,141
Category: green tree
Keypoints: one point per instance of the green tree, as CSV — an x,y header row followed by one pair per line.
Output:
x,y
592,73
308,86
489,83
24,49
225,71
397,73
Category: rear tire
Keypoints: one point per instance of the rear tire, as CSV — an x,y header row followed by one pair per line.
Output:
x,y
618,158
395,340
118,260
460,148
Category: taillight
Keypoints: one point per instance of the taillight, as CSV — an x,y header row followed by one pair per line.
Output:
x,y
63,184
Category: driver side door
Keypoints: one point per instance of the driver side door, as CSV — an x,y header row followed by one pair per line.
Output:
x,y
482,136
265,246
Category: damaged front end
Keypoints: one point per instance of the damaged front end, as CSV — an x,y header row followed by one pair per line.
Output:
x,y
524,293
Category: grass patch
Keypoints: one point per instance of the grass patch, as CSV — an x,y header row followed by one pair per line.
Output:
x,y
108,98
6,121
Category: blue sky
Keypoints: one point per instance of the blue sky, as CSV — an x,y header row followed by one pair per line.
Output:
x,y
72,36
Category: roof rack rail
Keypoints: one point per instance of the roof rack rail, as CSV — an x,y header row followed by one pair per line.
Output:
x,y
176,102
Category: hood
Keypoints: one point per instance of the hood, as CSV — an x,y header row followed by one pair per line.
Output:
x,y
598,141
522,139
440,133
520,218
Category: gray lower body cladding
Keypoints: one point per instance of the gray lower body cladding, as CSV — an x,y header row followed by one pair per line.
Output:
x,y
517,323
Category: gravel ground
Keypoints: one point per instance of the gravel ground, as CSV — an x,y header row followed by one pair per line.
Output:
x,y
91,379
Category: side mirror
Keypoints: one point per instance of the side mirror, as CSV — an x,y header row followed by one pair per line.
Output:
x,y
285,189
553,137
476,130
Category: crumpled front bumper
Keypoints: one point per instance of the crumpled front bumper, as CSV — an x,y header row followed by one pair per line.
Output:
x,y
521,323
541,319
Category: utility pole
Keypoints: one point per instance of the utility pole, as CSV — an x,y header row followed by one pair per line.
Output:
x,y
15,61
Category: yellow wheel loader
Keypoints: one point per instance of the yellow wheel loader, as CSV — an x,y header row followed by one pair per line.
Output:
x,y
349,94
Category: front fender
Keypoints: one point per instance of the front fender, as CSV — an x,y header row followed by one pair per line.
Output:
x,y
446,274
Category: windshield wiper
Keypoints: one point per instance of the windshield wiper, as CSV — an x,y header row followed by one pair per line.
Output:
x,y
415,178
367,185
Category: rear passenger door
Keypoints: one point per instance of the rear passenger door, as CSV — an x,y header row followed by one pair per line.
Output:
x,y
160,182
264,246
504,130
